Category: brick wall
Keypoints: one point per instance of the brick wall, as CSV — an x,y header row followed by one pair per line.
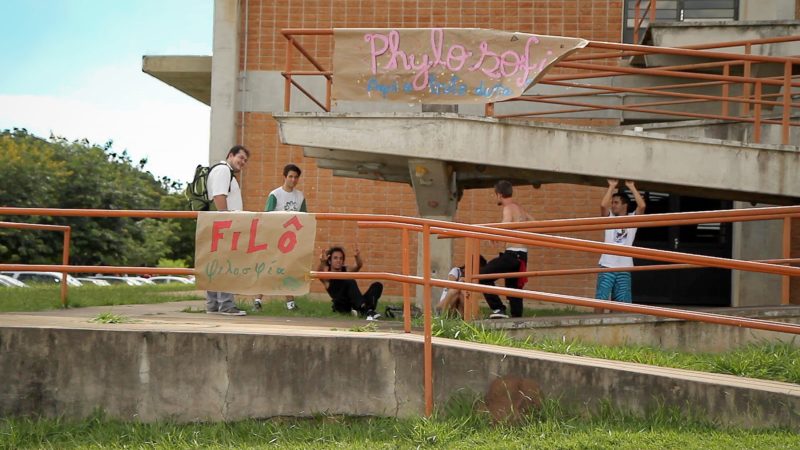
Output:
x,y
599,20
265,50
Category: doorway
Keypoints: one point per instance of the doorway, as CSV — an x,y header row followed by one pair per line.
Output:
x,y
684,287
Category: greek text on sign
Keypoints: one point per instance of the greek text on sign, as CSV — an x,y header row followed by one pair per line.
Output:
x,y
441,65
254,253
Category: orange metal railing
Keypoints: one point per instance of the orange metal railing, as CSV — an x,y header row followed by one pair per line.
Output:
x,y
64,251
662,100
474,234
638,17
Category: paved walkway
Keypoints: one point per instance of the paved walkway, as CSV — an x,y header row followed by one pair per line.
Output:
x,y
171,316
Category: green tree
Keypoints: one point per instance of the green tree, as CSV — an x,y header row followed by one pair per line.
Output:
x,y
57,173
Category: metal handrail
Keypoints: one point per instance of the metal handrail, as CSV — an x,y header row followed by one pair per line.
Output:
x,y
751,93
67,230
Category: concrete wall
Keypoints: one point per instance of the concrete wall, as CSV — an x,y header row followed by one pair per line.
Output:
x,y
754,241
771,10
189,376
671,334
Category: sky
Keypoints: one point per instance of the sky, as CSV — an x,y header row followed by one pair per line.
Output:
x,y
73,68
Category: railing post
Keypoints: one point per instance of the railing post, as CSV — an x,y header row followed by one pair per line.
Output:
x,y
427,350
328,85
469,270
406,287
652,6
757,114
287,80
476,263
787,253
636,11
746,87
65,261
787,102
488,110
726,71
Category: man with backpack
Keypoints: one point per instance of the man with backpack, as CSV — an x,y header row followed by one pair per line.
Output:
x,y
285,198
226,195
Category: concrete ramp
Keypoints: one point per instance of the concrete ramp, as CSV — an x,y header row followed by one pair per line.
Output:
x,y
482,150
182,367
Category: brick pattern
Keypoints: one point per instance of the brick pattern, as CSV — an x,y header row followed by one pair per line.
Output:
x,y
263,48
599,20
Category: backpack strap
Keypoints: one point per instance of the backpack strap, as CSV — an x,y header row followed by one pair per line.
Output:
x,y
230,183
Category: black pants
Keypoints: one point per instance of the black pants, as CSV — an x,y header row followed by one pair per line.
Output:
x,y
508,261
349,297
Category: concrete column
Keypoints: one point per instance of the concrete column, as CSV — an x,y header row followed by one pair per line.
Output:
x,y
224,78
437,198
756,240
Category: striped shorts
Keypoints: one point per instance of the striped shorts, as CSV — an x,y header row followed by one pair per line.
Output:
x,y
614,285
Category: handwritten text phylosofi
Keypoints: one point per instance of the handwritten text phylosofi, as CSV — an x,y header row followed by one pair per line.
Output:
x,y
441,65
254,253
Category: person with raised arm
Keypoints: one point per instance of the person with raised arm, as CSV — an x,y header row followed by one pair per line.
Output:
x,y
617,285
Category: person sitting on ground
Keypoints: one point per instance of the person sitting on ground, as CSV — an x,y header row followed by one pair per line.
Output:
x,y
452,301
346,297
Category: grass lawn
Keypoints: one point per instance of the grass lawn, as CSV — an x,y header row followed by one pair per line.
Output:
x,y
458,429
41,298
776,361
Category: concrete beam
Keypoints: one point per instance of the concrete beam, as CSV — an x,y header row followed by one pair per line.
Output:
x,y
188,74
691,166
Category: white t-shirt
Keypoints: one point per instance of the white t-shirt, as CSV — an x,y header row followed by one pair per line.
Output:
x,y
455,272
620,236
281,200
219,181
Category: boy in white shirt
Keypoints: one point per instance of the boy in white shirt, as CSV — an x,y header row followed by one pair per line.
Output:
x,y
617,285
285,198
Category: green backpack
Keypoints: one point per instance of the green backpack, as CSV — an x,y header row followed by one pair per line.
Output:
x,y
196,192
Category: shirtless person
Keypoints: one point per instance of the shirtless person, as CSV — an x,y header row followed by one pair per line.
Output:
x,y
514,259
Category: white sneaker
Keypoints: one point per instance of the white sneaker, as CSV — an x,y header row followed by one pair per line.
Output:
x,y
290,305
498,314
372,316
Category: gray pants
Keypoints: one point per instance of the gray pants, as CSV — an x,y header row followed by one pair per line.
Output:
x,y
219,301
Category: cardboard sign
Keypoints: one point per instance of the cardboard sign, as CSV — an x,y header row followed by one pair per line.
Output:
x,y
254,253
441,65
